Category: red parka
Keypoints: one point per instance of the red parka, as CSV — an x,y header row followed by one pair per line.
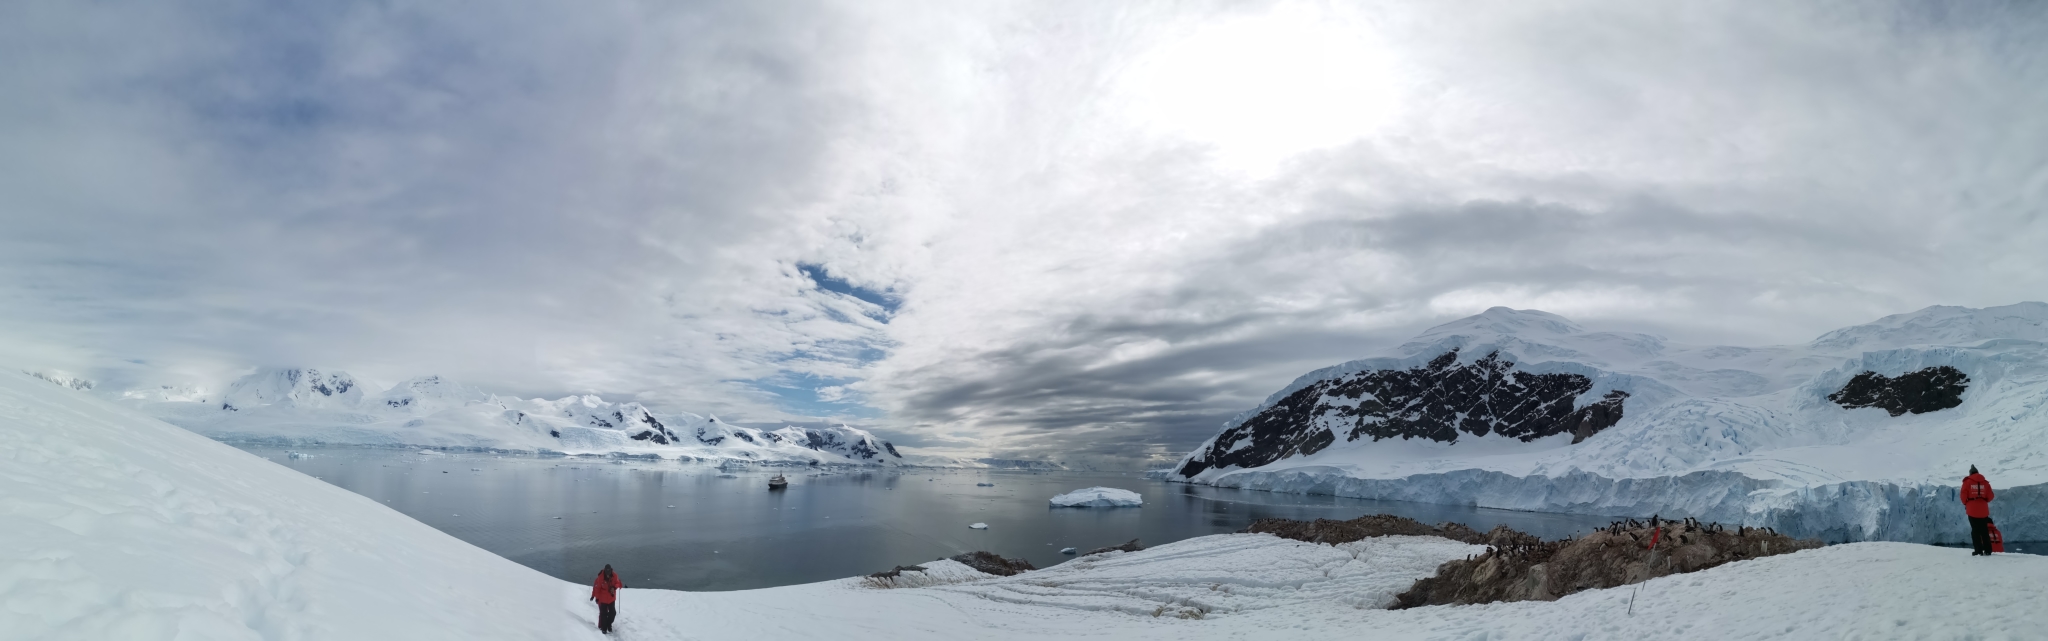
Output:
x,y
606,590
1977,496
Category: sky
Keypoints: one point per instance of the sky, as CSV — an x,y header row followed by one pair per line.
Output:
x,y
1086,231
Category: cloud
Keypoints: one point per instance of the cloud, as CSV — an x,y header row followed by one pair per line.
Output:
x,y
987,228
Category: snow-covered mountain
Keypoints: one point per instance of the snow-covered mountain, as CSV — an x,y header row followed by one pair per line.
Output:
x,y
1861,434
308,406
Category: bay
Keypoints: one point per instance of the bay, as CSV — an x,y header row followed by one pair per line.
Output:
x,y
687,526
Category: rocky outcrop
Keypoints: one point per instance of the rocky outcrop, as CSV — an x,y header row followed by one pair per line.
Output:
x,y
1128,546
1518,566
1438,401
990,563
1523,568
1928,390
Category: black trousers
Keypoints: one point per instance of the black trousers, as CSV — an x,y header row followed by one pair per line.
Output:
x,y
606,612
1980,534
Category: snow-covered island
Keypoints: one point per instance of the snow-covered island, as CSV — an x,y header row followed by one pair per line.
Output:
x,y
122,526
296,407
1099,497
1861,434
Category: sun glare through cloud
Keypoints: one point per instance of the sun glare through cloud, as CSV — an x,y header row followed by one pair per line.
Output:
x,y
1264,85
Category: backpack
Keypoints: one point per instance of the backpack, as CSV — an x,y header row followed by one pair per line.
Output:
x,y
1997,540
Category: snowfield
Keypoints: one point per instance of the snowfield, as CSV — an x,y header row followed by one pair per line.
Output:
x,y
1733,434
114,525
1099,497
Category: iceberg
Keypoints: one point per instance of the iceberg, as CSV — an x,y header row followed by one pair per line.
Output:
x,y
1099,497
977,526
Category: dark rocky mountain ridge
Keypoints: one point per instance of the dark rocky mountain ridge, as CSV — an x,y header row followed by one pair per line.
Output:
x,y
1437,401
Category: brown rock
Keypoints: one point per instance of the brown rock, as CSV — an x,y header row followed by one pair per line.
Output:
x,y
991,563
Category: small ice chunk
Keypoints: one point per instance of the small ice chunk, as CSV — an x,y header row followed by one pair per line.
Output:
x,y
1099,497
978,526
984,485
1069,551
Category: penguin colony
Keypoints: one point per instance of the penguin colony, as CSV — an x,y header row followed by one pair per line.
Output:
x,y
1520,567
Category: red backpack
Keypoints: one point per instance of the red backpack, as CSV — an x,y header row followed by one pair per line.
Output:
x,y
1997,540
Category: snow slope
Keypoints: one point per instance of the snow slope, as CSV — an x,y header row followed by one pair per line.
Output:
x,y
1526,410
1255,586
306,406
117,526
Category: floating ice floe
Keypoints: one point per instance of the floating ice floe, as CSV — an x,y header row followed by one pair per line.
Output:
x,y
984,485
1099,497
1069,551
978,526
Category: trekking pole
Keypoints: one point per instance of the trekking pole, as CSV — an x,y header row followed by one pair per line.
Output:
x,y
1632,599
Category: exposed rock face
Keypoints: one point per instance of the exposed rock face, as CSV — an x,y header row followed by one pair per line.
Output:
x,y
652,429
1928,390
991,563
1128,546
1525,569
1436,401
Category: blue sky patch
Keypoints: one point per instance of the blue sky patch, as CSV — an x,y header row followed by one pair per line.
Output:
x,y
884,299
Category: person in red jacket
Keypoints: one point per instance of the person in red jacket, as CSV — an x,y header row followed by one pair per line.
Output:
x,y
606,593
1976,496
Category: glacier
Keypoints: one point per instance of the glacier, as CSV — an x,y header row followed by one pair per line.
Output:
x,y
1861,434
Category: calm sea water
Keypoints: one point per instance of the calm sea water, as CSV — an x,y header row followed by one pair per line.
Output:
x,y
686,527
